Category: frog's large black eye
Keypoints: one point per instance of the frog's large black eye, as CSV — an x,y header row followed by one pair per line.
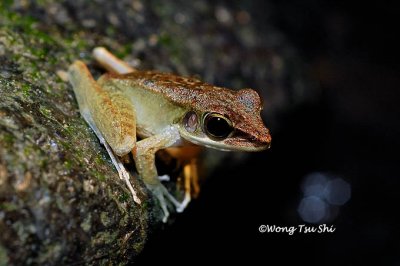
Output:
x,y
217,126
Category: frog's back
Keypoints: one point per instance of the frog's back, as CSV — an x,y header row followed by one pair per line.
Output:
x,y
182,91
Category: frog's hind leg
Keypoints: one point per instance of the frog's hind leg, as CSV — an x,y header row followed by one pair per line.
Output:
x,y
191,183
111,62
187,156
122,172
110,117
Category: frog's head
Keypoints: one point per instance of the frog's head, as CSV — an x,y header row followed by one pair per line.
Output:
x,y
226,120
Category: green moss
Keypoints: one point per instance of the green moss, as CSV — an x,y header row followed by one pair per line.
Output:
x,y
105,219
28,150
34,72
69,129
45,111
145,205
24,23
165,40
63,206
123,197
104,238
66,145
3,256
26,89
68,165
174,46
86,225
39,53
8,206
137,246
44,38
5,4
99,176
52,252
42,2
99,160
110,30
124,51
124,220
43,163
7,139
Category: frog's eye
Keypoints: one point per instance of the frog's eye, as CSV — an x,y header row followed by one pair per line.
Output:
x,y
217,126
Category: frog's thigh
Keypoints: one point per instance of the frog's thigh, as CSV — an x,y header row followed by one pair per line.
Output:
x,y
108,109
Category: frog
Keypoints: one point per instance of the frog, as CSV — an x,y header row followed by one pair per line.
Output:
x,y
140,112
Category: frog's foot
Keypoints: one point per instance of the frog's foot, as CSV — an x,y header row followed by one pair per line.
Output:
x,y
161,193
122,172
182,206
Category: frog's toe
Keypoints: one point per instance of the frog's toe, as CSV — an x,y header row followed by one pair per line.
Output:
x,y
162,194
182,206
179,207
158,190
164,178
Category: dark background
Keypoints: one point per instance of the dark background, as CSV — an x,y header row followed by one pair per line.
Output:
x,y
351,132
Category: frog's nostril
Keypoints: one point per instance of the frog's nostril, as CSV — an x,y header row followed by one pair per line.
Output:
x,y
266,140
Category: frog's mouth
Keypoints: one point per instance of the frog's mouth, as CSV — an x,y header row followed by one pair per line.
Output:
x,y
243,144
228,144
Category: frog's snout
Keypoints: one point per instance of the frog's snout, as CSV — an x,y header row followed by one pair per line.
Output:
x,y
267,141
264,141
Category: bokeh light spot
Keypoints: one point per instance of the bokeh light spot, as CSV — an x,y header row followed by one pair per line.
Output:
x,y
312,209
337,191
314,184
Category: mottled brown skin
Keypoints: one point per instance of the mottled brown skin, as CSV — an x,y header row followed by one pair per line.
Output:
x,y
242,107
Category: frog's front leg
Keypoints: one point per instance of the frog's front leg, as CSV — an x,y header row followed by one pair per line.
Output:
x,y
144,155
